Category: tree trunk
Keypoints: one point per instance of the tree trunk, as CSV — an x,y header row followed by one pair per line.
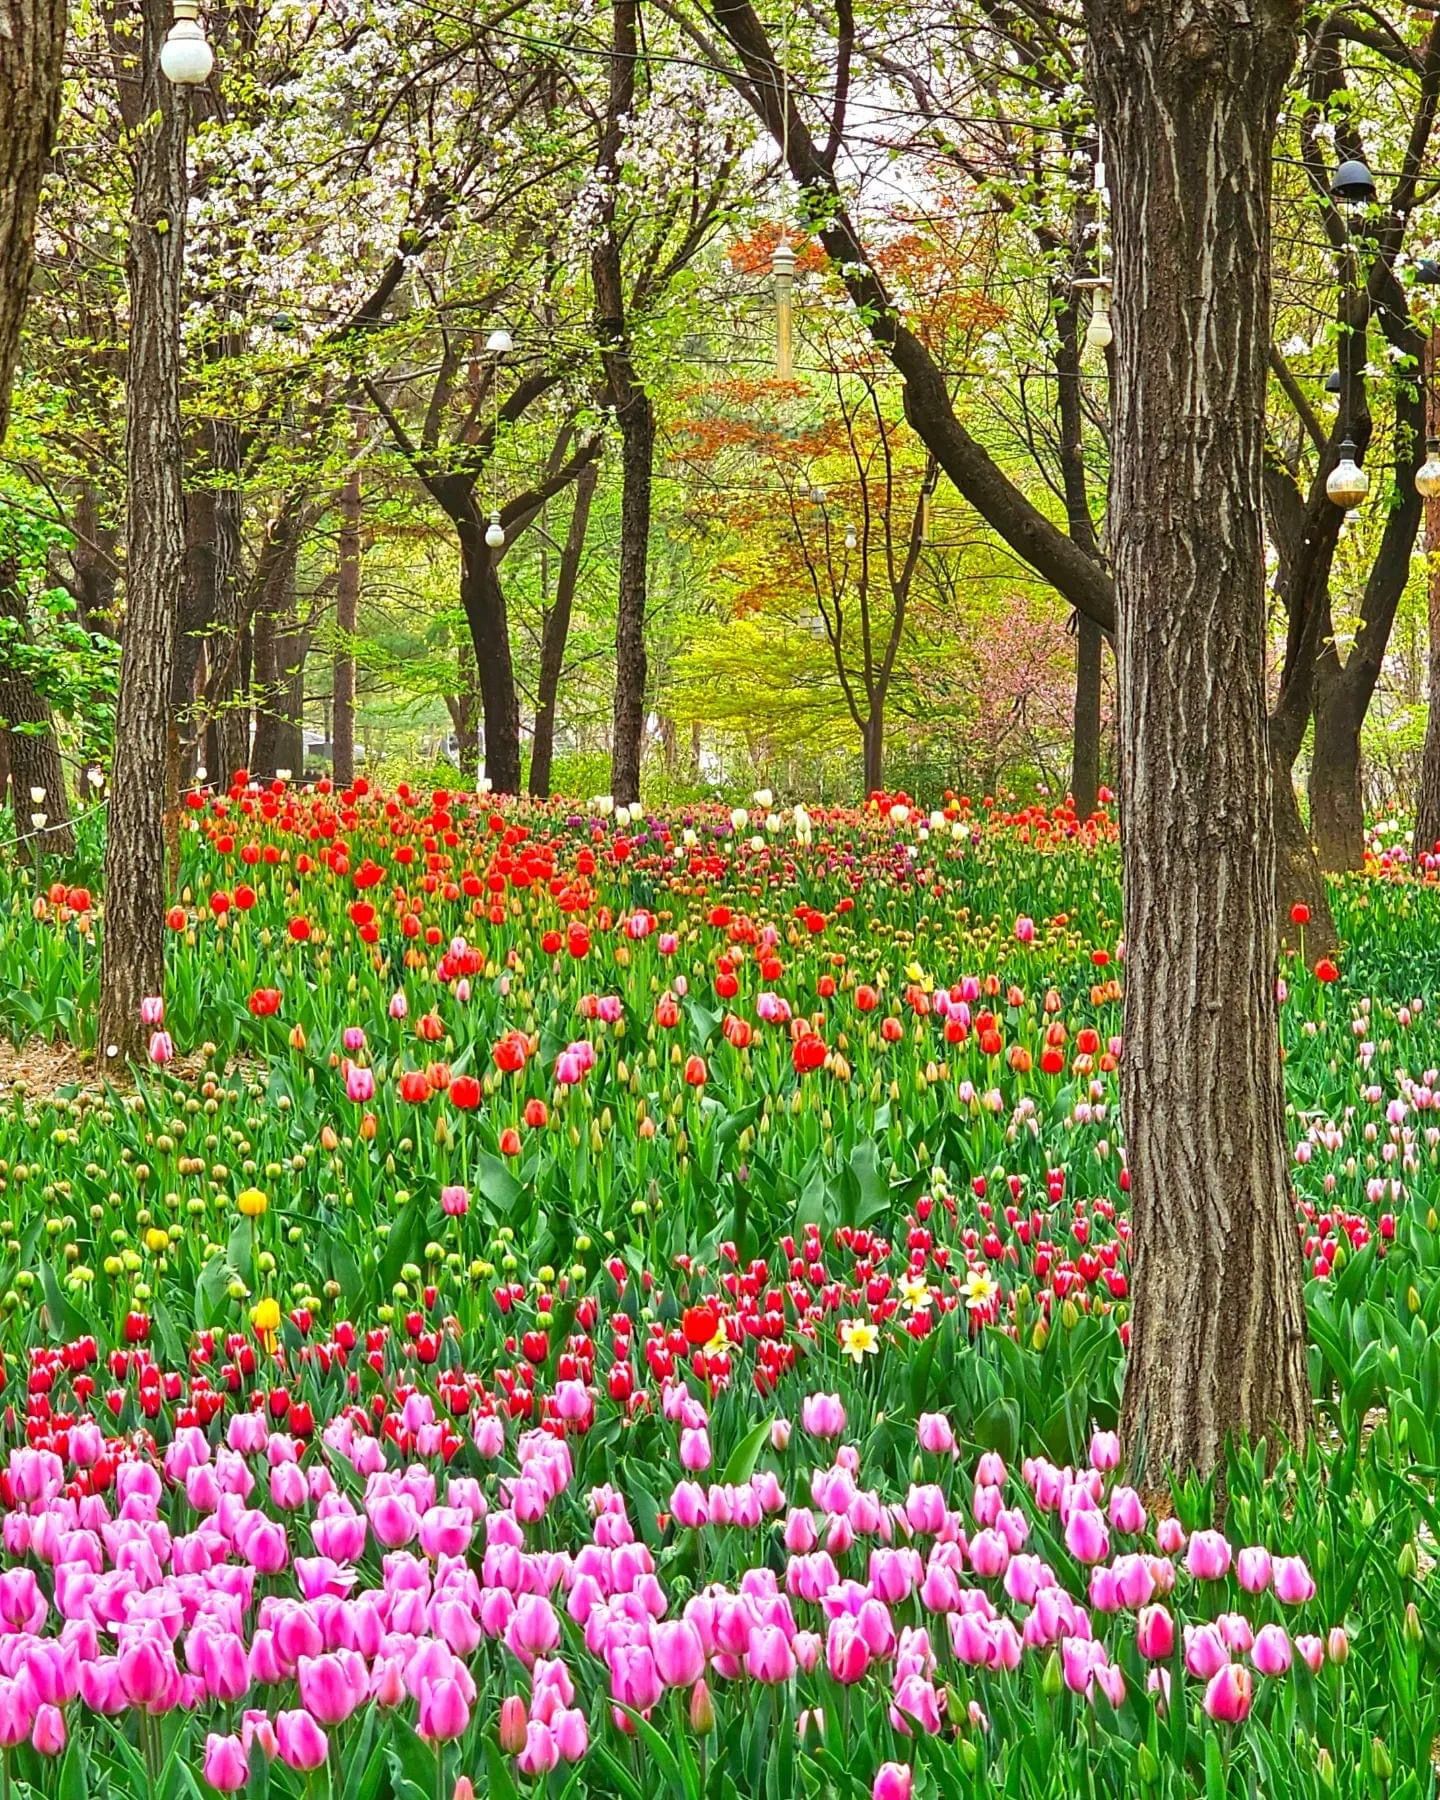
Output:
x,y
347,610
133,948
35,766
1298,879
557,630
873,737
1337,810
1090,639
1085,766
32,43
484,601
228,735
1187,102
278,676
634,414
1427,803
637,426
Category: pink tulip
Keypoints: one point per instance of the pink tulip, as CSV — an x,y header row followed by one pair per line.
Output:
x,y
444,1710
1086,1537
1155,1634
847,1655
17,1712
1208,1556
572,1734
1104,1450
152,1010
333,1686
990,1470
541,1751
533,1629
48,1733
455,1202
1294,1583
935,1434
1253,1569
695,1450
1271,1653
359,1083
226,1767
300,1742
768,1656
1205,1651
679,1653
1170,1536
822,1415
1229,1693
893,1781
1125,1511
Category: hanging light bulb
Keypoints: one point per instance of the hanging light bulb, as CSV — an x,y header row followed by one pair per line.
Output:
x,y
500,342
1098,333
782,270
1347,483
1427,476
185,57
850,538
495,532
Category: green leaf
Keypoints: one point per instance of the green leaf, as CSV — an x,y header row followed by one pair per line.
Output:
x,y
746,1454
496,1182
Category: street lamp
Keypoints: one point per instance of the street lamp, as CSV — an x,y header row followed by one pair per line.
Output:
x,y
185,56
1347,483
1427,476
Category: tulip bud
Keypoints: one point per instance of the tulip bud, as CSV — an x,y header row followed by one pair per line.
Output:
x,y
1407,1563
464,1788
1147,1766
1052,1681
1411,1630
1325,1767
969,1754
513,1725
1380,1761
1412,1299
702,1709
1337,1645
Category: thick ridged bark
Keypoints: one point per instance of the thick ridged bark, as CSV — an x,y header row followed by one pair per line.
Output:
x,y
32,40
1187,98
133,951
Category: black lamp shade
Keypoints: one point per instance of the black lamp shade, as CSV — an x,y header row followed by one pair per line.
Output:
x,y
1353,181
